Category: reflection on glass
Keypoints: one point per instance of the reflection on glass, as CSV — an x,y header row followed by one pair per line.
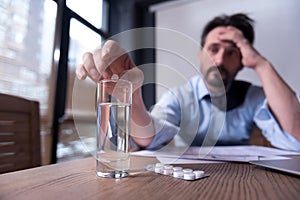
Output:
x,y
91,10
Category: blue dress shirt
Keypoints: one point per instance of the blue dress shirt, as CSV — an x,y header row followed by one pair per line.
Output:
x,y
185,113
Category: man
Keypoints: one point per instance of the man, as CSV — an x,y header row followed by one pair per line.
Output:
x,y
214,108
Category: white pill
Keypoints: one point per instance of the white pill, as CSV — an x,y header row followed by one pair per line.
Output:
x,y
187,170
178,174
115,76
159,165
177,169
198,173
158,169
189,176
167,171
168,167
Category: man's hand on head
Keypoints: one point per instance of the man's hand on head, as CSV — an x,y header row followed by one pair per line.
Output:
x,y
250,56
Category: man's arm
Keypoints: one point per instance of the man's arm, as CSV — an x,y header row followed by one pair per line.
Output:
x,y
282,100
114,60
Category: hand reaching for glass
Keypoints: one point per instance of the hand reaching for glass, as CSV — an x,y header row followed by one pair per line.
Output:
x,y
110,61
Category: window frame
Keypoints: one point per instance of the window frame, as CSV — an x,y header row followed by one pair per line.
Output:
x,y
60,67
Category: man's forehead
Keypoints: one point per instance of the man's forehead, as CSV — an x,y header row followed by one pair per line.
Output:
x,y
213,40
216,31
225,44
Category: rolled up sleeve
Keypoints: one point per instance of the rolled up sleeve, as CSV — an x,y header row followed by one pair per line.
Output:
x,y
265,120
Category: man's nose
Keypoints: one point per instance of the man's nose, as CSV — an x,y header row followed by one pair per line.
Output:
x,y
219,58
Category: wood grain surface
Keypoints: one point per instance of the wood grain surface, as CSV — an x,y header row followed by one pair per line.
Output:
x,y
77,180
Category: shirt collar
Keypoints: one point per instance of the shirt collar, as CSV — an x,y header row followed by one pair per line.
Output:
x,y
202,90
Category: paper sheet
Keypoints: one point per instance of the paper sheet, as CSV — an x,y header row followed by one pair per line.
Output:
x,y
218,153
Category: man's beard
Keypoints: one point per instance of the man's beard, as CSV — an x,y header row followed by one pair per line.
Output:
x,y
213,77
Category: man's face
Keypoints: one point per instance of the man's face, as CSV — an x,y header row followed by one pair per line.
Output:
x,y
220,61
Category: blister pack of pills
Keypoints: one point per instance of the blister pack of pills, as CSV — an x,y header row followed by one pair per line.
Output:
x,y
187,174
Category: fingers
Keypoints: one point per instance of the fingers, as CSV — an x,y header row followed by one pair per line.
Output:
x,y
93,66
90,67
116,57
87,68
104,62
250,56
110,59
111,50
101,63
81,72
233,34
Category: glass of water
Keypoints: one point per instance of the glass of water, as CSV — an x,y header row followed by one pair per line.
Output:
x,y
113,127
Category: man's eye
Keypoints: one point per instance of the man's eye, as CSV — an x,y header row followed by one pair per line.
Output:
x,y
232,53
214,50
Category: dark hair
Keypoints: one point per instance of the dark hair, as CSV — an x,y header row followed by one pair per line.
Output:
x,y
240,21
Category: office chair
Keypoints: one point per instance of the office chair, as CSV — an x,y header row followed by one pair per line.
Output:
x,y
258,139
19,133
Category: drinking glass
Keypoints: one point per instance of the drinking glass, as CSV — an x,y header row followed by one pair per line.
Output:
x,y
114,99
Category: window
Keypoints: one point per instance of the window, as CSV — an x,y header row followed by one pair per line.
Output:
x,y
25,54
90,10
85,34
27,33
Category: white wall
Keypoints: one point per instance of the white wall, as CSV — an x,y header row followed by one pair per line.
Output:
x,y
277,35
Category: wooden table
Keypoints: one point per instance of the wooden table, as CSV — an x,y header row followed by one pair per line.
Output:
x,y
77,180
